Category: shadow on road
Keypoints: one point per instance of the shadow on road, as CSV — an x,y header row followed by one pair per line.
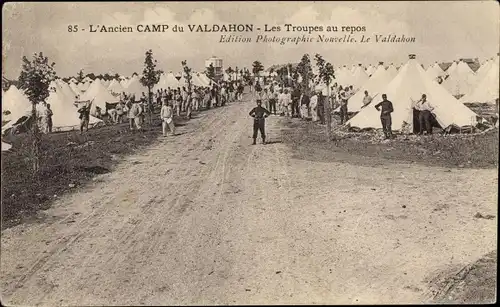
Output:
x,y
274,142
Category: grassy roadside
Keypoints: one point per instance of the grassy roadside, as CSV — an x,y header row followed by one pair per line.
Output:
x,y
455,151
472,284
68,161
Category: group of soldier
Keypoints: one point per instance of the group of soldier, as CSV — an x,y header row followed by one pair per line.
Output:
x,y
180,100
298,102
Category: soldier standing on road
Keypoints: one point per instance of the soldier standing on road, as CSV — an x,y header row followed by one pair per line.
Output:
x,y
259,114
167,117
385,115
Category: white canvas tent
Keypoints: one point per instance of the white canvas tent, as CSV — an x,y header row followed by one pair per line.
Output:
x,y
353,68
115,87
487,89
392,70
15,117
359,77
451,68
405,89
124,82
84,86
66,89
167,81
75,89
16,102
435,71
483,70
135,88
99,95
461,80
206,79
66,116
198,80
374,85
370,70
343,76
6,147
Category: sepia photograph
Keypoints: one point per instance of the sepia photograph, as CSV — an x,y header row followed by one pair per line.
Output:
x,y
249,153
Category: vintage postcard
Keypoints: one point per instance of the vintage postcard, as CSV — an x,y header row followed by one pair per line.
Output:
x,y
249,152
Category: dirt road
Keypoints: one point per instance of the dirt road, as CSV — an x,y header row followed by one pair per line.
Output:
x,y
205,218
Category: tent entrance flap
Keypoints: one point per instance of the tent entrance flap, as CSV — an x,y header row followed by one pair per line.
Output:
x,y
416,121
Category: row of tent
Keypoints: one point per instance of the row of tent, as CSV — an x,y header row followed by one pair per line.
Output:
x,y
63,98
402,86
459,79
407,87
133,85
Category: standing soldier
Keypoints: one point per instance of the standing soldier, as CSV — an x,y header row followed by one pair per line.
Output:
x,y
84,117
259,114
344,96
425,115
167,117
241,88
49,117
265,97
385,115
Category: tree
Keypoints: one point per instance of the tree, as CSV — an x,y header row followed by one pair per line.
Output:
x,y
257,67
150,77
326,74
305,70
187,74
80,76
211,71
35,78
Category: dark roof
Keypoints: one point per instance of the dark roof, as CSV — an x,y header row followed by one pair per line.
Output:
x,y
473,64
445,66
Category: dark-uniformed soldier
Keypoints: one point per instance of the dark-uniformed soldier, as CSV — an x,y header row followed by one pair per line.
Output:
x,y
385,115
259,114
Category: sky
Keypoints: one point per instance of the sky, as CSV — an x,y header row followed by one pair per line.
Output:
x,y
444,31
